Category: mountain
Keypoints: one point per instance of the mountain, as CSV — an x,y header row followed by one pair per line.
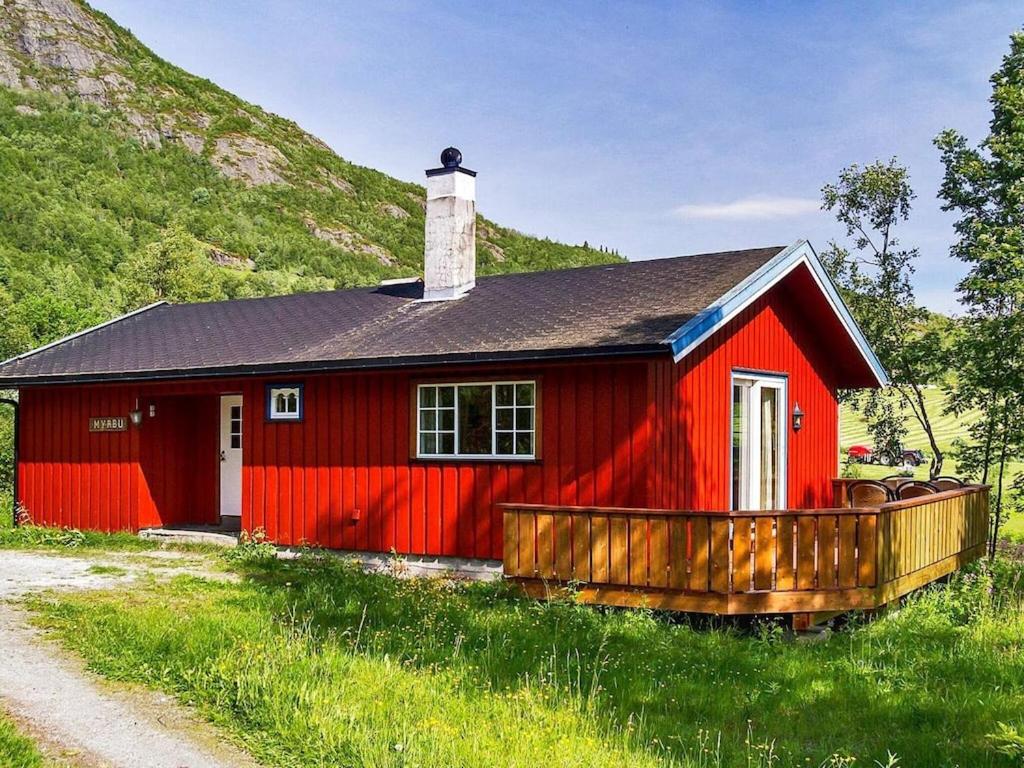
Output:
x,y
124,178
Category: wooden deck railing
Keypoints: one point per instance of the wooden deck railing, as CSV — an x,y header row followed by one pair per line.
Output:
x,y
785,561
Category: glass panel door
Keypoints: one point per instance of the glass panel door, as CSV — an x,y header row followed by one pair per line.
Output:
x,y
740,441
769,480
758,442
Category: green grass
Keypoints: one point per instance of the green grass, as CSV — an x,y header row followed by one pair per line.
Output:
x,y
314,663
853,430
73,540
1013,529
107,570
42,537
16,751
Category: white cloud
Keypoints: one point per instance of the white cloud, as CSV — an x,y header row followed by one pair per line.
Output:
x,y
756,207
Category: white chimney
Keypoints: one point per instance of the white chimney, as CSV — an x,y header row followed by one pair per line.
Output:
x,y
449,256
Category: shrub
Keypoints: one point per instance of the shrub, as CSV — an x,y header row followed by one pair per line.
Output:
x,y
252,548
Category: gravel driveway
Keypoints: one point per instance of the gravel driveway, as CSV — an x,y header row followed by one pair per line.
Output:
x,y
72,714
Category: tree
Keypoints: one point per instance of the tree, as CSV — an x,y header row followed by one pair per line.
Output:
x,y
985,186
874,277
174,268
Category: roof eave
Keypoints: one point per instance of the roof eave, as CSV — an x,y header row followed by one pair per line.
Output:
x,y
704,324
332,366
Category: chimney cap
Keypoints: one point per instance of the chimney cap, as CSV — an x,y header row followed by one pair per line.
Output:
x,y
451,161
451,157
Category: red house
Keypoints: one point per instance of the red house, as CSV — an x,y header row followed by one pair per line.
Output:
x,y
399,417
660,432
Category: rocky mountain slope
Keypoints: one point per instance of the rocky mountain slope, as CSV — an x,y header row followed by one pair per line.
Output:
x,y
125,178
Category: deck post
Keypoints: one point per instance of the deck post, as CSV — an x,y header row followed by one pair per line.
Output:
x,y
802,621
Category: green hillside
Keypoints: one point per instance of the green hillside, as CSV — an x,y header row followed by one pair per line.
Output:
x,y
126,178
854,431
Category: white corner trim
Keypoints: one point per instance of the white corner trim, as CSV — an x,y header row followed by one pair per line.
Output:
x,y
705,323
83,332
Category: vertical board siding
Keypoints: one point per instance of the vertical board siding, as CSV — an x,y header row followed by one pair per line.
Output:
x,y
162,474
692,403
341,478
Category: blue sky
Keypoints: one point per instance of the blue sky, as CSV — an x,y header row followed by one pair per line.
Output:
x,y
658,129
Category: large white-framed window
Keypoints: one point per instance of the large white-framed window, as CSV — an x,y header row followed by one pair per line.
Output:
x,y
477,420
759,430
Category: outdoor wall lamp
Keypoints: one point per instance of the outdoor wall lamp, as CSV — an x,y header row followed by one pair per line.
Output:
x,y
135,415
798,418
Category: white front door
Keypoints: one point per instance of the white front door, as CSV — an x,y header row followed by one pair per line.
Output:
x,y
230,456
758,442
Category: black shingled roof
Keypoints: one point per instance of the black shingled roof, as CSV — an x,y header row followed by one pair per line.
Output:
x,y
609,309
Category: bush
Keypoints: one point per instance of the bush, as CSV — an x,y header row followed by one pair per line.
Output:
x,y
252,548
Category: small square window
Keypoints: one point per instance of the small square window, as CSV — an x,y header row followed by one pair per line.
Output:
x,y
284,402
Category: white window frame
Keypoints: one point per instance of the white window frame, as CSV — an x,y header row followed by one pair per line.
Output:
x,y
272,392
751,461
493,455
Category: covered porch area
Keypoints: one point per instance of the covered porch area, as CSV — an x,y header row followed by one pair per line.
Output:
x,y
190,461
804,563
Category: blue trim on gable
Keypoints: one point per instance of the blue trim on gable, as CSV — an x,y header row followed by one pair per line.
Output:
x,y
847,317
706,322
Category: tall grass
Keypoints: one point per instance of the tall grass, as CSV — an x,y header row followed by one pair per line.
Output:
x,y
314,663
16,751
44,537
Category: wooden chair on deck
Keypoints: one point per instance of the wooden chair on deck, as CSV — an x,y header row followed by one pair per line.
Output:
x,y
914,488
948,483
868,493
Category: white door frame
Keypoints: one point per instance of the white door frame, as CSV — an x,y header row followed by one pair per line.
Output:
x,y
230,456
750,460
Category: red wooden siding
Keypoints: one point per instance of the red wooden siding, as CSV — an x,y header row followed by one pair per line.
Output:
x,y
69,476
692,404
344,478
164,474
341,478
178,467
642,432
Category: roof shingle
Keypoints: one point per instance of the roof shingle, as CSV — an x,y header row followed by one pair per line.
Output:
x,y
625,307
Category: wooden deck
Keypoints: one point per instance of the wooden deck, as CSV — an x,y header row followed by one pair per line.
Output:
x,y
798,561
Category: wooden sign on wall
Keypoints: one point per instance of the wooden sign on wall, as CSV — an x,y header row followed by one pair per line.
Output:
x,y
108,424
